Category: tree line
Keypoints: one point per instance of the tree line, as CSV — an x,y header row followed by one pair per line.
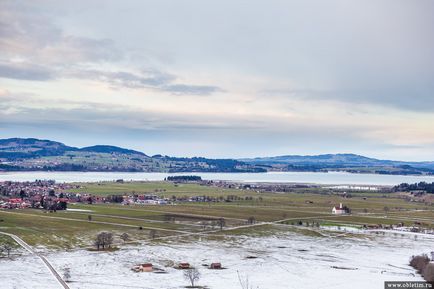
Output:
x,y
422,186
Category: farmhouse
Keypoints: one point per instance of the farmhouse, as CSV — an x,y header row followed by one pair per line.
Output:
x,y
184,266
146,267
216,266
341,210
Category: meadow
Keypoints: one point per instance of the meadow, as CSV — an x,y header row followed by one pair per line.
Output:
x,y
78,227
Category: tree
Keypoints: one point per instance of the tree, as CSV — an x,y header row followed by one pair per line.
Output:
x,y
419,262
103,240
386,209
66,274
51,193
152,234
244,282
7,247
192,275
428,273
221,223
251,220
125,237
89,218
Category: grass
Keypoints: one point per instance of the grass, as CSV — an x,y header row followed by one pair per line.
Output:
x,y
68,229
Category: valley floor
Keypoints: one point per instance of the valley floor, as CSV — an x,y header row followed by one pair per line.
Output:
x,y
284,260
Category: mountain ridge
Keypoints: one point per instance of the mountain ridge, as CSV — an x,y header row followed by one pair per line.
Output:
x,y
43,154
21,154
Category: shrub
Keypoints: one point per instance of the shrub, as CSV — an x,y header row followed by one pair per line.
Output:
x,y
428,273
419,262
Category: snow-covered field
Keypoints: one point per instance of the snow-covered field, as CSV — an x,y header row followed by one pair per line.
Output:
x,y
287,260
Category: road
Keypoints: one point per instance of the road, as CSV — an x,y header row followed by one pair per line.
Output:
x,y
46,262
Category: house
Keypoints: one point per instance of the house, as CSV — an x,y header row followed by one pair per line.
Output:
x,y
340,210
146,267
216,266
184,266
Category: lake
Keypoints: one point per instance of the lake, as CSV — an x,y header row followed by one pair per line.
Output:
x,y
331,178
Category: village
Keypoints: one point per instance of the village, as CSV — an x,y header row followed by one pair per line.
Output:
x,y
51,196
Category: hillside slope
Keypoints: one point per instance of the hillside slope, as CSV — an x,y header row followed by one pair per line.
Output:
x,y
30,154
345,162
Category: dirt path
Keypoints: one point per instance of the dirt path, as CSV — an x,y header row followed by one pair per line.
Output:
x,y
45,260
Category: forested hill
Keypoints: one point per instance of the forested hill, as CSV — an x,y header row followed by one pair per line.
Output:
x,y
21,154
18,154
341,162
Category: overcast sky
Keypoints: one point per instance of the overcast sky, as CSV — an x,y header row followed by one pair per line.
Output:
x,y
221,78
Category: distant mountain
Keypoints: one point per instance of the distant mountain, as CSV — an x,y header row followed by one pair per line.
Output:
x,y
22,148
345,162
318,159
18,154
111,150
30,154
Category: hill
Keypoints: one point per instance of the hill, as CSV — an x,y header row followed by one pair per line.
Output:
x,y
18,154
341,162
28,154
24,148
110,150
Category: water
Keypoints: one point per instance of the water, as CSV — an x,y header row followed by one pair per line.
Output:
x,y
330,178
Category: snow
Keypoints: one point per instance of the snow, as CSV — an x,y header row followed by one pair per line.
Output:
x,y
79,210
286,260
25,272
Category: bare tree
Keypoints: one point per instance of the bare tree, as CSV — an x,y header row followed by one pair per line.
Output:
x,y
89,218
103,240
66,274
221,223
7,247
244,282
152,234
125,237
251,220
192,275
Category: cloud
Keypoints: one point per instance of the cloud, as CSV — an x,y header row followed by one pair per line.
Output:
x,y
191,89
34,36
25,72
46,52
151,79
400,97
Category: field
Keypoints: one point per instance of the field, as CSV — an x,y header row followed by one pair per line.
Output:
x,y
72,228
274,239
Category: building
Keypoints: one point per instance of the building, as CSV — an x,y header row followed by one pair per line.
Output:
x,y
341,210
184,266
146,267
215,266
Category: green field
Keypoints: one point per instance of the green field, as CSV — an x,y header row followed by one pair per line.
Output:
x,y
69,229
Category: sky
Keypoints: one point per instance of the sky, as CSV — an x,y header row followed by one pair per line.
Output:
x,y
221,78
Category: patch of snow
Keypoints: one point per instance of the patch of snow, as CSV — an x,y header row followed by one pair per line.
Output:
x,y
79,210
287,260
